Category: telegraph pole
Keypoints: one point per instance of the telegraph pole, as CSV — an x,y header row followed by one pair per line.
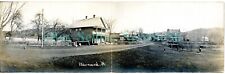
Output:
x,y
42,30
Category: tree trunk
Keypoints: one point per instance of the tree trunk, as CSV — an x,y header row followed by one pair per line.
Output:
x,y
11,29
110,36
2,44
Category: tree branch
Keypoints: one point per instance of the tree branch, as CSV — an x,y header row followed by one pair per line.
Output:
x,y
9,12
6,15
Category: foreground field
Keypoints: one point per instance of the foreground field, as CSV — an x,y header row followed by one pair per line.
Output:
x,y
151,58
146,59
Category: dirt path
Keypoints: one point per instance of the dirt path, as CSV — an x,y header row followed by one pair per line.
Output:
x,y
49,52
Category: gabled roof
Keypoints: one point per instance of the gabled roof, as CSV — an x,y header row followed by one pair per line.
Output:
x,y
91,22
173,30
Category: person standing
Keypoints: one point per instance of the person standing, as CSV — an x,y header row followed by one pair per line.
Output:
x,y
200,50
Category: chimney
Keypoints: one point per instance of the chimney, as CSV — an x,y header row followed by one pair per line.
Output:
x,y
86,17
93,16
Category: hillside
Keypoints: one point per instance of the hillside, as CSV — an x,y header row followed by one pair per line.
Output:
x,y
214,34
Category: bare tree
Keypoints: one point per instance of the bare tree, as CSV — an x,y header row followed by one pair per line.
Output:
x,y
57,25
110,24
15,23
37,21
140,33
7,9
57,28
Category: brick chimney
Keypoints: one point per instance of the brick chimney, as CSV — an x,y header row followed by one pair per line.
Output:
x,y
94,16
86,17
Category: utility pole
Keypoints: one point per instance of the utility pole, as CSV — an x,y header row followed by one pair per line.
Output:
x,y
42,30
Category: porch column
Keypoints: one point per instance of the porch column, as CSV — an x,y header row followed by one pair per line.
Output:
x,y
101,37
95,40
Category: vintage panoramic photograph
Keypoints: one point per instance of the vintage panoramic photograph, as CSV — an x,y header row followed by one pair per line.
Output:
x,y
112,36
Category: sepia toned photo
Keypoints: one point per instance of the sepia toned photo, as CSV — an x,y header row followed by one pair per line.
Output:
x,y
112,36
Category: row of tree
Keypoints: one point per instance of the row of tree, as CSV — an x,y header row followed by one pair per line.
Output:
x,y
11,15
49,26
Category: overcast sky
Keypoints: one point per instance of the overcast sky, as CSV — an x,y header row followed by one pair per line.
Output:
x,y
151,16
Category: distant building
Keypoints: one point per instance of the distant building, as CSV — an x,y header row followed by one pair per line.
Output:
x,y
171,35
174,35
129,36
205,39
56,36
115,37
89,30
158,37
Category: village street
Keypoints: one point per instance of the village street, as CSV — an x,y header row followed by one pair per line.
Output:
x,y
37,53
149,56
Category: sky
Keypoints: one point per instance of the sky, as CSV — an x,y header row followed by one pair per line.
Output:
x,y
150,16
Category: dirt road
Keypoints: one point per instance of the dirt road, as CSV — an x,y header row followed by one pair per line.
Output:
x,y
49,52
148,58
